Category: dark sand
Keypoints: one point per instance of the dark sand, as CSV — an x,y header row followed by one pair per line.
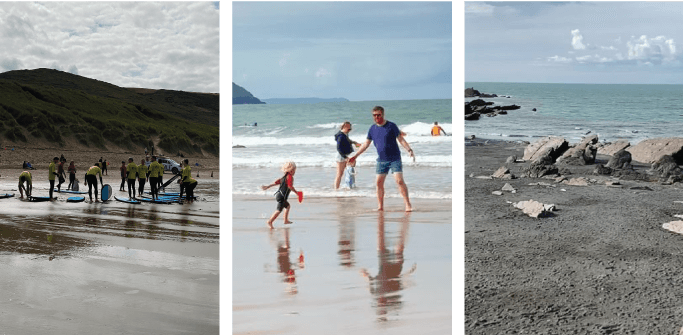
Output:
x,y
602,264
274,293
108,268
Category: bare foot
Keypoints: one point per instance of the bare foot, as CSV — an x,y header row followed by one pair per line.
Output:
x,y
409,209
270,224
288,222
380,209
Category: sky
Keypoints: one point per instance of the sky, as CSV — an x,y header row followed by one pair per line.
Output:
x,y
355,50
158,45
574,42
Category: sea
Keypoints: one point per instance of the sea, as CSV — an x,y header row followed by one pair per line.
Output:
x,y
269,135
630,112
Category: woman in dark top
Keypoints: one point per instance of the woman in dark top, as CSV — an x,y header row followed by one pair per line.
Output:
x,y
344,148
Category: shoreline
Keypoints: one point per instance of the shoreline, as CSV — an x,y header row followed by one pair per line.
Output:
x,y
600,263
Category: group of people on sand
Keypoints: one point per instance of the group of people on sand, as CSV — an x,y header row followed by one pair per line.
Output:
x,y
153,171
386,137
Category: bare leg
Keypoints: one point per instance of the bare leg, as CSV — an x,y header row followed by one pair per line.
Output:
x,y
340,171
380,191
286,218
403,188
272,219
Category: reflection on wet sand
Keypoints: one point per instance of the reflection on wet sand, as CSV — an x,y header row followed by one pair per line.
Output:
x,y
389,281
272,294
109,268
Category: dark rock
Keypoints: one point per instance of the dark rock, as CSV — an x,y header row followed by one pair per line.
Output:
x,y
603,170
541,167
480,102
620,160
471,92
666,167
473,116
533,110
508,108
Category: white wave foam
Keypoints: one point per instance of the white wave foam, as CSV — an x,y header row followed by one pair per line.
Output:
x,y
346,193
445,161
418,129
335,125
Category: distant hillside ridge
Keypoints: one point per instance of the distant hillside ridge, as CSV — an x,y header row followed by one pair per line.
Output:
x,y
51,108
241,96
286,101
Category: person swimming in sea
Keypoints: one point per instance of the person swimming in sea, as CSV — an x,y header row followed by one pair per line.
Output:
x,y
437,130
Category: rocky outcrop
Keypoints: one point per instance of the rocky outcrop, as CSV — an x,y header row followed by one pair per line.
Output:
x,y
481,107
582,153
551,146
610,149
649,151
541,167
667,169
503,173
471,92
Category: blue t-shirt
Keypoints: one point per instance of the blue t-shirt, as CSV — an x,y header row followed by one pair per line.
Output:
x,y
385,141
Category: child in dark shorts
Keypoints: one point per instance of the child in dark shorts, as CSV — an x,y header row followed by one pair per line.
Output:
x,y
286,186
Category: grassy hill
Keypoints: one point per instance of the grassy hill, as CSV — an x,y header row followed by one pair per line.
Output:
x,y
52,106
241,96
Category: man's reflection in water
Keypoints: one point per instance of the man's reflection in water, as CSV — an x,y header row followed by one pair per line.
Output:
x,y
388,282
347,231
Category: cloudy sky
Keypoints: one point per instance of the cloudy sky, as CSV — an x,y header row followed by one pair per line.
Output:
x,y
354,50
577,42
161,45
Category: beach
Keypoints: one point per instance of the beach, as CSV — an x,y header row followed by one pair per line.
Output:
x,y
324,273
107,268
600,263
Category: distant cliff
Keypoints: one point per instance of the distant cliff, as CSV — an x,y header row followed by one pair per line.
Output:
x,y
284,101
242,96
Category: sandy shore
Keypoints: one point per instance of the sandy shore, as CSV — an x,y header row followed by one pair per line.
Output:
x,y
601,264
343,285
108,268
12,157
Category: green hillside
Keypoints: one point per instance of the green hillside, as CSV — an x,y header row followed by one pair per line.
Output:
x,y
241,96
51,105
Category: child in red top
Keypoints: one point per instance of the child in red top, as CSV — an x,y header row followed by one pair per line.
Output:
x,y
286,186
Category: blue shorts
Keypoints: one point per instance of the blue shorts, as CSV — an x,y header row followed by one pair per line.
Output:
x,y
384,167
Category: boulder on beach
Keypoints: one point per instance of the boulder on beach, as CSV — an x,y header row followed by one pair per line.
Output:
x,y
541,167
649,151
620,160
503,173
610,149
665,168
582,153
534,208
551,146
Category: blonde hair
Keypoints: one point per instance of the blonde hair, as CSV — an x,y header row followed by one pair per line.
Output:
x,y
288,166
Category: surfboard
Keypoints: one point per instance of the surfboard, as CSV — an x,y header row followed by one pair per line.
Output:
x,y
159,201
39,199
106,192
6,195
75,199
70,191
127,200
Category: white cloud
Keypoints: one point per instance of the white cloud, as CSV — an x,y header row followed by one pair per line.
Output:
x,y
577,40
559,59
608,48
322,73
478,8
651,50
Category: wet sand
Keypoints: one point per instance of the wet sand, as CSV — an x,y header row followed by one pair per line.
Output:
x,y
601,264
363,272
108,268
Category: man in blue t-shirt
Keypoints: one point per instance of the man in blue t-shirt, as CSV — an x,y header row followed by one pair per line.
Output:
x,y
387,136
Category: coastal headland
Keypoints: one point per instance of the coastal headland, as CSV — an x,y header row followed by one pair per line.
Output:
x,y
570,238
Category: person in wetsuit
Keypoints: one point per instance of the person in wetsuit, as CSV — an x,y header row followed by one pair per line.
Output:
x,y
25,177
91,179
51,174
142,177
286,186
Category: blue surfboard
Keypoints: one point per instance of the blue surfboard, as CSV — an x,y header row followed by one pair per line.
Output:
x,y
6,195
106,192
127,200
75,199
159,201
70,191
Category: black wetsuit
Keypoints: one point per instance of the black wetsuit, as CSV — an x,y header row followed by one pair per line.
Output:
x,y
282,193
